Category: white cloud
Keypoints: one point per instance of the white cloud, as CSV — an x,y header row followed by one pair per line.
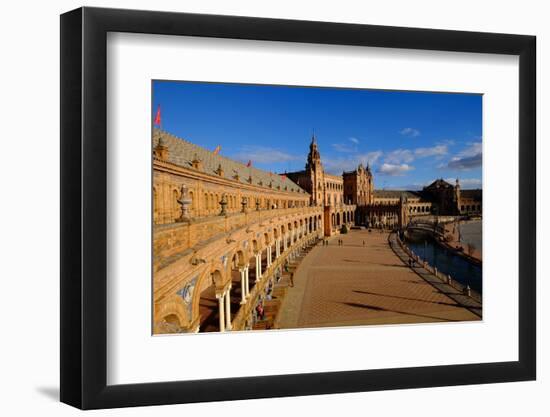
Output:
x,y
338,165
264,155
394,170
448,142
473,149
409,131
370,157
438,150
399,156
470,157
344,148
406,156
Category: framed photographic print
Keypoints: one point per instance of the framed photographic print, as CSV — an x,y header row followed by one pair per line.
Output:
x,y
258,208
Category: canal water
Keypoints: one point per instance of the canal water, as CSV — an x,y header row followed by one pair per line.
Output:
x,y
447,262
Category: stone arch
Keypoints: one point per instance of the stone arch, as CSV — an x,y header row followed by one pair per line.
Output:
x,y
193,202
207,305
239,257
174,201
171,315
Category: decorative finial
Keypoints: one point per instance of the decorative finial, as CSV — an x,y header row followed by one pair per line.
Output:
x,y
185,202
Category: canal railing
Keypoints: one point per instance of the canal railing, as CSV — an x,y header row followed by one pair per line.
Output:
x,y
463,294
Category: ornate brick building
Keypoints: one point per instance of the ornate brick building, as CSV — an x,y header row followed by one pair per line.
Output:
x,y
223,231
325,190
222,234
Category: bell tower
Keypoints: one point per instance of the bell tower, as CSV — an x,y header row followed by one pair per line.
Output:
x,y
456,196
370,185
314,169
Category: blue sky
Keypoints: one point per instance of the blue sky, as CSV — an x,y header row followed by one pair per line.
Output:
x,y
409,138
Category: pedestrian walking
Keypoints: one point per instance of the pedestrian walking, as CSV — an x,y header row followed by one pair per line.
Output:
x,y
363,243
260,311
291,279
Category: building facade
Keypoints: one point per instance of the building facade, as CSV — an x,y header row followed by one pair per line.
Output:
x,y
325,191
223,231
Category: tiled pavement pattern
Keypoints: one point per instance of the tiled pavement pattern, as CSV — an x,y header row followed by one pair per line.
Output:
x,y
468,302
355,284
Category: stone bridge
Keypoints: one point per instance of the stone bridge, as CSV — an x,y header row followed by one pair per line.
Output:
x,y
421,225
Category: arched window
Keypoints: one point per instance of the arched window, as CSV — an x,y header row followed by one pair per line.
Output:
x,y
174,204
193,202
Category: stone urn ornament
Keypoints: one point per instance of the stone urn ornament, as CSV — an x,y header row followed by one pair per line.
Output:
x,y
184,201
223,205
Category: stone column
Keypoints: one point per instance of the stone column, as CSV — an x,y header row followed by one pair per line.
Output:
x,y
228,308
260,266
221,311
278,248
243,285
269,256
247,282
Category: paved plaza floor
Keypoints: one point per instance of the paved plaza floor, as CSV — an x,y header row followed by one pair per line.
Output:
x,y
354,284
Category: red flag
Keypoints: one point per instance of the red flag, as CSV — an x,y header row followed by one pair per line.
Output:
x,y
249,163
283,176
157,117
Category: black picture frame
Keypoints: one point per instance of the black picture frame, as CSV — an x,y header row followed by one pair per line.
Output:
x,y
84,207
